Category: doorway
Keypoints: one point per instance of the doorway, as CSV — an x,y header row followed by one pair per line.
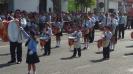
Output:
x,y
43,6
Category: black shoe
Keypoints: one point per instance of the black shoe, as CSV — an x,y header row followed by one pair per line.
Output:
x,y
48,54
107,58
91,41
11,61
73,56
111,49
44,54
79,55
57,46
18,62
84,48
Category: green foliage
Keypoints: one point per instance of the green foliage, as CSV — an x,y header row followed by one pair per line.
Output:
x,y
71,5
74,5
87,3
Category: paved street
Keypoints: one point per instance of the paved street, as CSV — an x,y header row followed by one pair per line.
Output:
x,y
121,61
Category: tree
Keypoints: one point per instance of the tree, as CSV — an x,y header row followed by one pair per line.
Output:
x,y
57,6
73,5
84,4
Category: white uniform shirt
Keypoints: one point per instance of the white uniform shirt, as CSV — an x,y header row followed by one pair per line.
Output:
x,y
77,36
114,24
122,20
87,24
107,38
106,21
23,22
49,32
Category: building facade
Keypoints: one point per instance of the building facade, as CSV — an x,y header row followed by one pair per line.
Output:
x,y
109,5
33,5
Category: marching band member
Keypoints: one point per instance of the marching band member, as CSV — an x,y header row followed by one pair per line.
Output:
x,y
58,35
43,38
42,20
106,21
77,45
15,37
106,43
113,26
47,47
101,19
93,20
86,24
23,21
32,57
122,23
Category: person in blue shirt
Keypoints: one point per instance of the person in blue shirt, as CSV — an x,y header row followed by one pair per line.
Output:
x,y
58,35
32,56
106,43
121,25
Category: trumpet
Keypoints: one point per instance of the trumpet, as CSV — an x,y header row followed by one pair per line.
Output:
x,y
22,29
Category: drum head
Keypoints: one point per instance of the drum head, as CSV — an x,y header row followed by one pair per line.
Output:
x,y
13,30
71,37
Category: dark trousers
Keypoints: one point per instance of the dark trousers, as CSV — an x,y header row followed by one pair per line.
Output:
x,y
47,48
16,51
116,31
106,52
77,50
41,26
121,30
91,36
132,24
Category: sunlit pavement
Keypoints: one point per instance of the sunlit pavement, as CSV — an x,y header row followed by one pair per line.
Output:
x,y
120,62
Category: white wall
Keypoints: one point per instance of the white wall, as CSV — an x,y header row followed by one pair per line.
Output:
x,y
113,5
49,5
28,5
64,5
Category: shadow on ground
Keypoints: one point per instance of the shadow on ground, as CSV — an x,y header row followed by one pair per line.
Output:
x,y
128,54
6,65
5,54
98,60
68,58
100,52
131,46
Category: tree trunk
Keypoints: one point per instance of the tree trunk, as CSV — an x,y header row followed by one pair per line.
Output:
x,y
57,6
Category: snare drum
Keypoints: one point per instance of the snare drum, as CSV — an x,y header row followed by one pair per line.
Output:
x,y
56,30
43,41
100,43
71,41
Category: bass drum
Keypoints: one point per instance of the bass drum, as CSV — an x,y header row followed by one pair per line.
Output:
x,y
71,41
13,31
